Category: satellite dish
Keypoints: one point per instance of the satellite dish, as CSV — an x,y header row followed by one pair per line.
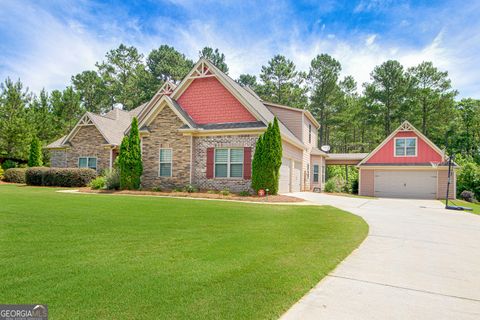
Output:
x,y
325,148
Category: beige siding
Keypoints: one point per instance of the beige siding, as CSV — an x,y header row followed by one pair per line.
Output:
x,y
367,182
291,152
290,118
442,180
313,141
320,161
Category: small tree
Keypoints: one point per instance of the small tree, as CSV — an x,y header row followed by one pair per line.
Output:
x,y
35,156
130,159
267,159
135,154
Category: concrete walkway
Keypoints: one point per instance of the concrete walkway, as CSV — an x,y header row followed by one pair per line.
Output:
x,y
419,261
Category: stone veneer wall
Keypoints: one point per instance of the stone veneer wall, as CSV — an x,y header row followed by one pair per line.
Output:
x,y
164,134
87,142
58,158
200,145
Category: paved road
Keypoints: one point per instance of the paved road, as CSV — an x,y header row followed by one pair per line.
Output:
x,y
419,261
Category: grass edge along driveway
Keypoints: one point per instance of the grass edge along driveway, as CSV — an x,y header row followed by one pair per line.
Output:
x,y
111,257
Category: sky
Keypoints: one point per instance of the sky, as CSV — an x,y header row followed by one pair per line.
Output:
x,y
44,43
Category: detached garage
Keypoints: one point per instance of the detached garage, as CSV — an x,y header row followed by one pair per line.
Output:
x,y
406,165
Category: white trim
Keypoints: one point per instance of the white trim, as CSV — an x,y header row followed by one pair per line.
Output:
x,y
160,162
405,147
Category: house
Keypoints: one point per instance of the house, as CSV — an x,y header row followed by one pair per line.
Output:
x,y
203,132
406,165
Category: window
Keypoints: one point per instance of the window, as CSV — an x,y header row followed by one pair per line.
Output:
x,y
405,147
165,162
228,163
315,172
309,133
87,162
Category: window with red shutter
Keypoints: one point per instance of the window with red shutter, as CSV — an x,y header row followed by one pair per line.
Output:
x,y
247,161
210,156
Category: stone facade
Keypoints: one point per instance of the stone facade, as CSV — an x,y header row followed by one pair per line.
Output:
x,y
200,145
164,134
87,142
58,158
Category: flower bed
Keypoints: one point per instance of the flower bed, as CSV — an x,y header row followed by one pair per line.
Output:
x,y
205,195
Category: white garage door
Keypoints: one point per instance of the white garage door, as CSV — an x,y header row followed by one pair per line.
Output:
x,y
406,184
284,180
297,173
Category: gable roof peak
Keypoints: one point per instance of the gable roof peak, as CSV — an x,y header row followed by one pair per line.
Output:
x,y
406,126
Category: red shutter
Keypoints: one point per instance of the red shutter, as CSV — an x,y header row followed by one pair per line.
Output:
x,y
247,163
210,155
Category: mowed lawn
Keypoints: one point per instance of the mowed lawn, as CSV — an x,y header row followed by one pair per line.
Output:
x,y
127,257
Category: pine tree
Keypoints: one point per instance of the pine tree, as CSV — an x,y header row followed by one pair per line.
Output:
x,y
276,154
257,177
135,155
35,156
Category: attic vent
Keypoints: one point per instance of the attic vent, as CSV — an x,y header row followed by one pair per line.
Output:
x,y
406,126
202,71
167,88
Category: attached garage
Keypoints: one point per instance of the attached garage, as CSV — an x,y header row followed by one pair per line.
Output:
x,y
405,184
297,176
284,180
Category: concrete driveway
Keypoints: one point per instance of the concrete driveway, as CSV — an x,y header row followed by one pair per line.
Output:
x,y
419,261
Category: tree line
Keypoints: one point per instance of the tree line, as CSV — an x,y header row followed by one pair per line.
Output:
x,y
354,117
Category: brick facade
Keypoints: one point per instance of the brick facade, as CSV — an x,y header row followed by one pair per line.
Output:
x,y
87,142
200,145
164,134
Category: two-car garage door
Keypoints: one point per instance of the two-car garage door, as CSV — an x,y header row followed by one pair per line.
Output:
x,y
290,176
406,184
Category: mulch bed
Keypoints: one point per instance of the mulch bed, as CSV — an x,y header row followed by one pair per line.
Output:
x,y
273,199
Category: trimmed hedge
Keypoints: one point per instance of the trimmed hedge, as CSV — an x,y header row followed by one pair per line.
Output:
x,y
59,177
15,175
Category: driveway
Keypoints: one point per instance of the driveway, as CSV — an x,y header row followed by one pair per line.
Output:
x,y
419,261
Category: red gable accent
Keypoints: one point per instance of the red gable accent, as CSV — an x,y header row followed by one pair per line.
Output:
x,y
425,153
206,100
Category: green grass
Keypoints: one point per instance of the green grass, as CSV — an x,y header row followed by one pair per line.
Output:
x,y
474,206
124,257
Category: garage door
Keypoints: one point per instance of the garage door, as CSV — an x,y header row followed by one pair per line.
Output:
x,y
406,184
297,173
284,181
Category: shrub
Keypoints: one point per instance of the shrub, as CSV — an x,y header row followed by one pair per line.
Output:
x,y
59,177
177,189
212,191
467,196
468,178
189,188
225,192
355,186
1,173
98,183
34,176
130,159
15,175
157,189
244,193
7,164
112,179
330,186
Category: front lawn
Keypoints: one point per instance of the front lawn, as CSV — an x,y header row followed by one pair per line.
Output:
x,y
474,206
123,257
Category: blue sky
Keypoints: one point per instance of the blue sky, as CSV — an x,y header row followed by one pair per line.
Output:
x,y
45,42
